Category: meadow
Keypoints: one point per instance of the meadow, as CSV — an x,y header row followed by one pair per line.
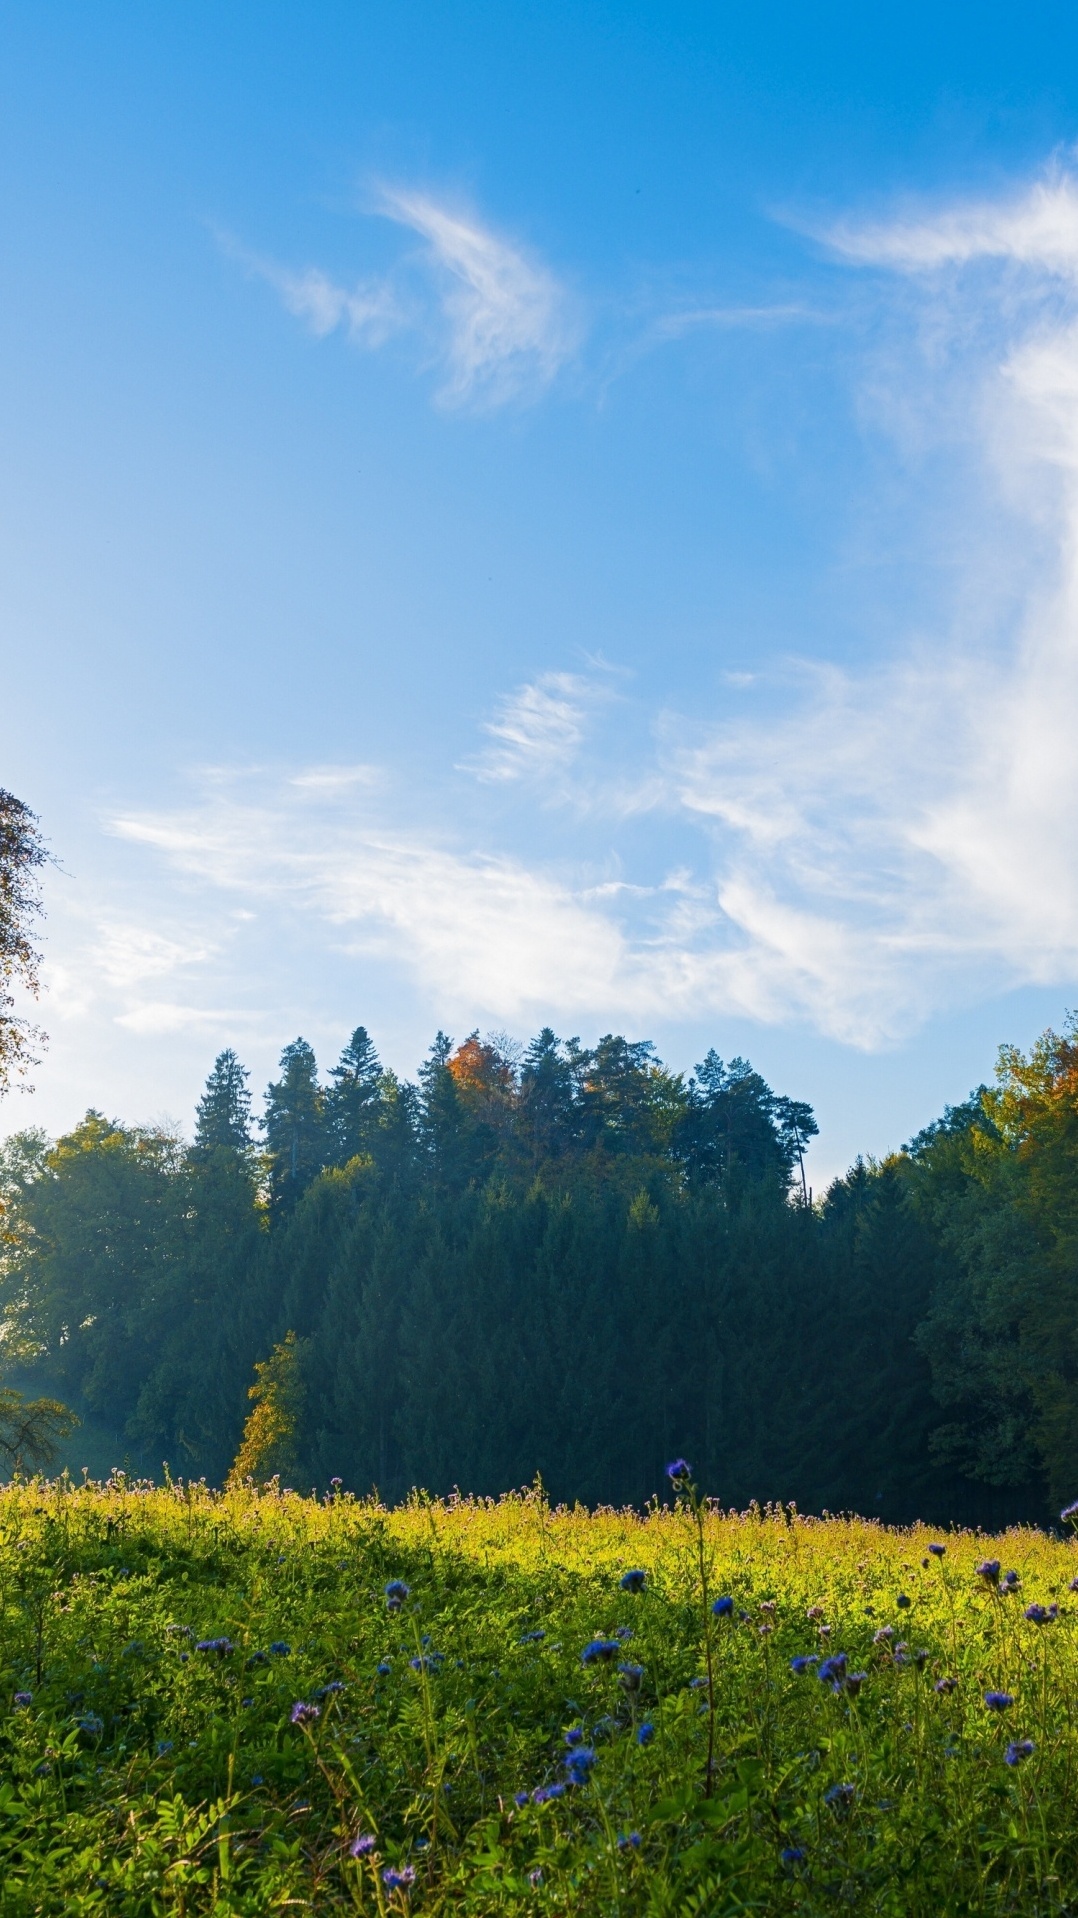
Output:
x,y
249,1701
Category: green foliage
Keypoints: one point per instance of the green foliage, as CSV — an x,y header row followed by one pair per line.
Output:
x,y
22,853
31,1430
157,1644
268,1446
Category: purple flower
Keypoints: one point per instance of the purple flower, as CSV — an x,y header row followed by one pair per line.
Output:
x,y
855,1681
535,1877
833,1671
384,1668
1010,1582
1018,1749
1041,1614
336,1483
600,1651
999,1701
398,1880
937,1551
223,1647
1069,1513
629,1841
840,1796
520,1799
280,1649
793,1855
396,1593
631,1676
364,1844
679,1471
645,1734
633,1581
988,1569
804,1663
22,1699
304,1714
884,1635
946,1685
723,1607
543,1793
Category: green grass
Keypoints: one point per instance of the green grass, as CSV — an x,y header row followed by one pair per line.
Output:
x,y
147,1776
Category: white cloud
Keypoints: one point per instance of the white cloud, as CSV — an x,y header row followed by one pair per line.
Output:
x,y
500,323
1037,228
126,954
539,729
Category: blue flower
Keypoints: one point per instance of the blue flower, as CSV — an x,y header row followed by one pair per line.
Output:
x,y
600,1651
1019,1748
1010,1582
629,1841
903,1602
841,1797
257,1778
531,1638
833,1671
362,1846
793,1855
22,1699
633,1581
280,1649
396,1593
937,1551
679,1471
258,1658
223,1647
520,1799
91,1724
988,1569
395,1880
998,1701
645,1734
579,1764
723,1607
544,1792
804,1663
327,1691
631,1676
1041,1614
855,1681
304,1714
164,1746
384,1668
574,1735
946,1685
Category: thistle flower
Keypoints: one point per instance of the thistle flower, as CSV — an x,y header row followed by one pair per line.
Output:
x,y
396,1593
633,1581
600,1651
679,1471
1018,1749
804,1663
304,1714
988,1569
362,1846
398,1880
723,1607
645,1733
999,1701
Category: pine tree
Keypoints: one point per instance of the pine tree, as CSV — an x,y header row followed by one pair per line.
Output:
x,y
354,1102
224,1110
295,1127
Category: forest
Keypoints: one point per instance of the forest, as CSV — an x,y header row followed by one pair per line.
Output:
x,y
571,1263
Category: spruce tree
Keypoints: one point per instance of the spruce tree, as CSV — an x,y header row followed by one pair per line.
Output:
x,y
354,1102
224,1110
295,1127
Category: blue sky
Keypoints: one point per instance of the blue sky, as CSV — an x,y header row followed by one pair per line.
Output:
x,y
520,514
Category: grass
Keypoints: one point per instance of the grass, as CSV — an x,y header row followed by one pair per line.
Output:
x,y
141,1774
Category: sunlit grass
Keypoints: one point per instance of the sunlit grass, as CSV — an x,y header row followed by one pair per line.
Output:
x,y
143,1774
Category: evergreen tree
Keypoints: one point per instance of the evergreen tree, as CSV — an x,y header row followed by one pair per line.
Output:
x,y
295,1127
354,1101
223,1117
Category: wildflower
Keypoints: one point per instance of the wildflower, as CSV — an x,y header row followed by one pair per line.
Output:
x,y
394,1880
327,1691
998,1701
885,1633
903,1602
946,1685
574,1735
280,1649
697,1684
384,1668
1073,1586
520,1799
1018,1749
531,1638
633,1581
600,1651
920,1658
629,1841
91,1724
336,1483
579,1764
258,1658
396,1593
543,1793
222,1647
1040,1614
1069,1513
257,1778
164,1746
833,1671
814,1612
631,1676
723,1607
1010,1582
645,1734
804,1663
535,1877
793,1855
988,1569
304,1714
937,1551
854,1682
624,1632
22,1699
840,1796
679,1471
360,1847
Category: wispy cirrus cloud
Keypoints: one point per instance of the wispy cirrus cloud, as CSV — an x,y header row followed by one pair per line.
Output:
x,y
492,317
539,729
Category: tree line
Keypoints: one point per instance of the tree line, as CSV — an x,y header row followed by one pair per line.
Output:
x,y
570,1261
